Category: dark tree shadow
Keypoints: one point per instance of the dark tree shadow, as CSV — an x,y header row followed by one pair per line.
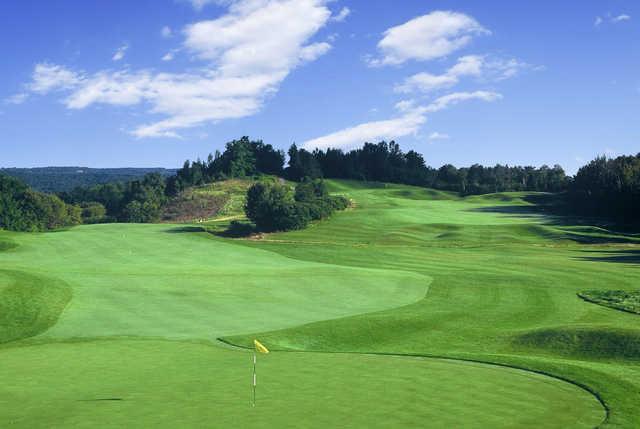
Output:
x,y
551,210
236,229
185,229
626,256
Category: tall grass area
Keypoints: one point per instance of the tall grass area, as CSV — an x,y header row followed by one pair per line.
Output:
x,y
414,307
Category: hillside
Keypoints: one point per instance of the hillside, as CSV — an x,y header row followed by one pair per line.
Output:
x,y
407,271
59,179
203,203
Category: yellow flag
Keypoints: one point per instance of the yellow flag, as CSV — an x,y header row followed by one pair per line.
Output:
x,y
259,347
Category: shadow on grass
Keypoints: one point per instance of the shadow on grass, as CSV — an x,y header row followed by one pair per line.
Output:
x,y
550,210
236,229
627,256
185,229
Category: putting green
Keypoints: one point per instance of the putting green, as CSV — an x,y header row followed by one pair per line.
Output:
x,y
124,383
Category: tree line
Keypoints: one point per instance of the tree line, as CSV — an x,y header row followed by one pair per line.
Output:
x,y
604,187
608,187
386,162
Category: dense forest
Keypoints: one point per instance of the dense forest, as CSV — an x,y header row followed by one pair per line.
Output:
x,y
138,201
60,179
605,187
609,188
23,209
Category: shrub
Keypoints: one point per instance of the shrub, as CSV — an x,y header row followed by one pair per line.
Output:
x,y
272,207
93,212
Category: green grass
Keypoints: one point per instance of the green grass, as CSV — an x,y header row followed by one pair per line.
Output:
x,y
618,299
29,304
407,271
166,384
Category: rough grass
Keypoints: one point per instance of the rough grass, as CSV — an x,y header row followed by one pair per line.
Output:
x,y
497,271
618,299
202,203
600,343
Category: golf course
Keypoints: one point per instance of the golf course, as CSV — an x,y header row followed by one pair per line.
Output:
x,y
412,308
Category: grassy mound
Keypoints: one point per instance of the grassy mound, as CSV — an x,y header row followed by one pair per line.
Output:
x,y
585,342
618,299
29,305
175,282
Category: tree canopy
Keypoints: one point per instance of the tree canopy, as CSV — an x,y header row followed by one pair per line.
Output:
x,y
272,206
23,209
386,162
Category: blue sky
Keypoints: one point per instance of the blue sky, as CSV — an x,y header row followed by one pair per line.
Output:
x,y
153,82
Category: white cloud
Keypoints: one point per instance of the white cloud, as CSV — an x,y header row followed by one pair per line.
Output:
x,y
166,32
427,82
427,37
342,15
199,4
314,51
169,56
244,65
47,77
408,123
611,19
19,98
438,136
119,54
620,18
470,65
445,101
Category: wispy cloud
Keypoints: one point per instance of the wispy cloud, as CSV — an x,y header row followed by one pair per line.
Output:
x,y
166,32
48,77
119,54
200,4
18,98
342,15
611,19
479,66
620,18
244,65
427,37
411,118
438,136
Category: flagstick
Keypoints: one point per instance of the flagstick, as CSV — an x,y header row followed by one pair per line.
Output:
x,y
254,378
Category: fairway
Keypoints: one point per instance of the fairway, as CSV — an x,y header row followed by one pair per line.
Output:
x,y
124,321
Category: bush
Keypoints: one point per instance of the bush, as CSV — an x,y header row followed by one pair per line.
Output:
x,y
93,212
272,207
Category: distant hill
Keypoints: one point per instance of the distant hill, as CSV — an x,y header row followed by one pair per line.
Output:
x,y
58,179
